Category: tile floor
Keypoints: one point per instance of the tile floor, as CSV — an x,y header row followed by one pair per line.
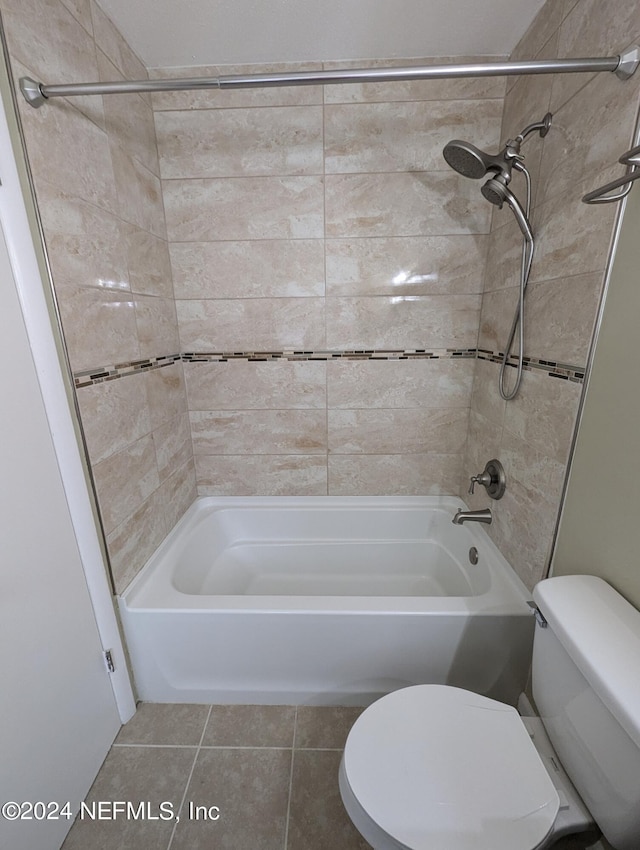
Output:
x,y
271,771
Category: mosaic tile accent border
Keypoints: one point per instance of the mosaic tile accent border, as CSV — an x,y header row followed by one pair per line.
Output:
x,y
564,371
354,354
122,370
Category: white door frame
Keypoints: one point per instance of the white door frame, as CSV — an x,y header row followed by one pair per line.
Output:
x,y
23,254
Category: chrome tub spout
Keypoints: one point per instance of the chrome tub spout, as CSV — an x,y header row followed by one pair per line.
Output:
x,y
472,516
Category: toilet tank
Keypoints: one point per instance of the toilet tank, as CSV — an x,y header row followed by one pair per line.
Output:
x,y
586,685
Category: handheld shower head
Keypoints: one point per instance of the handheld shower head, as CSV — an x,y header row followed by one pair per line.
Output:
x,y
496,192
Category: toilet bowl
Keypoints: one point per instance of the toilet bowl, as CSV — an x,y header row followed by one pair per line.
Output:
x,y
450,770
434,767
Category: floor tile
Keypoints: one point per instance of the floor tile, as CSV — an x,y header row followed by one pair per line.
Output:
x,y
317,818
250,726
149,775
156,723
250,787
324,727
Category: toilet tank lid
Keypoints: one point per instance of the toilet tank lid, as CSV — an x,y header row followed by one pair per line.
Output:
x,y
600,631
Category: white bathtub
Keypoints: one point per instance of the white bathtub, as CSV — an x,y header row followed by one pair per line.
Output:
x,y
324,600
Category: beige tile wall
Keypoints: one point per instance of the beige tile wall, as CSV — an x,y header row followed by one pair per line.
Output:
x,y
326,220
97,180
318,219
592,126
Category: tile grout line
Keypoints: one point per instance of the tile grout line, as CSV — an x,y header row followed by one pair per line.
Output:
x,y
215,747
324,271
193,767
293,750
158,746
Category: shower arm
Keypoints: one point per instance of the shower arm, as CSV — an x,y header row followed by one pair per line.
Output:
x,y
623,66
541,126
512,149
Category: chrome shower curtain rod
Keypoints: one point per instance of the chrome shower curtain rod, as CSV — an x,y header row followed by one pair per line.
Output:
x,y
623,66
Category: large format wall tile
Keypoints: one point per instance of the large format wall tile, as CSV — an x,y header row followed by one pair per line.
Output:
x,y
261,475
99,326
242,385
165,391
561,316
240,142
243,208
364,137
157,325
134,541
259,432
124,480
177,492
422,203
410,265
415,321
429,474
149,262
543,414
397,431
84,241
172,442
251,324
373,384
114,415
267,268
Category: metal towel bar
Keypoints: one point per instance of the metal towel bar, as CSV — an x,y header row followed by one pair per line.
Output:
x,y
599,196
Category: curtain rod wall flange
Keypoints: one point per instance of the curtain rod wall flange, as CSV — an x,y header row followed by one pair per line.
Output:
x,y
624,66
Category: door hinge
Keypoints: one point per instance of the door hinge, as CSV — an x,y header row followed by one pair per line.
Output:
x,y
108,660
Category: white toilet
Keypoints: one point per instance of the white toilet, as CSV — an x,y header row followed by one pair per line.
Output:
x,y
432,767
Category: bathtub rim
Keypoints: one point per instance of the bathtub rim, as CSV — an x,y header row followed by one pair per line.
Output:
x,y
143,595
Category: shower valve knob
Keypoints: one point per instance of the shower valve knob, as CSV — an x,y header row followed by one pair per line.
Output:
x,y
492,479
483,479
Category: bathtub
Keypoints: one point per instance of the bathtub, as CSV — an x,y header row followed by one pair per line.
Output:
x,y
324,600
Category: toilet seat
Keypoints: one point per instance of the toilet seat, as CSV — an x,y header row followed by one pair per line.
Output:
x,y
432,766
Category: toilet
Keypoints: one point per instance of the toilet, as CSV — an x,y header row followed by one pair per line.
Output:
x,y
433,767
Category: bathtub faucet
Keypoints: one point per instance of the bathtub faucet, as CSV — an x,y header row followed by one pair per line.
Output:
x,y
472,516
